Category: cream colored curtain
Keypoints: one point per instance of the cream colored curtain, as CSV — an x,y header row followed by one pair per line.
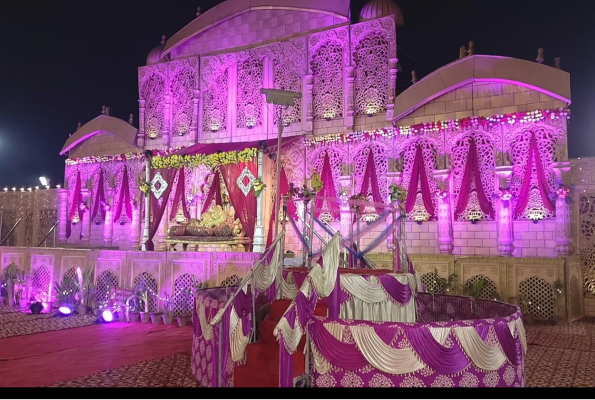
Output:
x,y
440,334
205,327
488,358
264,275
237,340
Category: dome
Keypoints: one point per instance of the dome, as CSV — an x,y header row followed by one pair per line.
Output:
x,y
155,55
375,9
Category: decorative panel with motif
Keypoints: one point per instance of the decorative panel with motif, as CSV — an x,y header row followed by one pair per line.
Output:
x,y
250,102
215,93
183,77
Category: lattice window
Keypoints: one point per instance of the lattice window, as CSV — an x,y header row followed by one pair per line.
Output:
x,y
182,88
327,90
485,156
29,229
230,281
182,303
214,103
587,241
70,286
489,288
432,282
286,78
153,93
123,218
546,145
249,100
148,280
41,280
540,295
106,281
430,155
575,295
371,74
47,219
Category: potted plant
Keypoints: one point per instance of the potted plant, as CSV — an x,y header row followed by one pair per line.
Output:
x,y
132,304
156,318
22,287
524,304
141,292
166,303
474,288
184,297
85,290
64,291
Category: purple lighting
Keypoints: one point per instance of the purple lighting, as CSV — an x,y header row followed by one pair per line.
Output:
x,y
108,316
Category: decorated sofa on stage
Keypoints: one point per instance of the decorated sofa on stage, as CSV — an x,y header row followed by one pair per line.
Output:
x,y
216,227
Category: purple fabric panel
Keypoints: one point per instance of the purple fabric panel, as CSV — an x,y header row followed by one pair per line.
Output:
x,y
99,197
213,148
426,195
246,325
215,378
334,301
124,197
328,190
76,201
370,180
472,172
444,360
285,365
305,307
386,333
214,192
290,316
399,292
180,196
299,278
158,206
542,184
510,345
343,355
224,343
344,296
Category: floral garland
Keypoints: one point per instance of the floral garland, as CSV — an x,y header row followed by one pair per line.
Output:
x,y
258,186
118,157
145,187
524,117
562,192
211,160
441,194
505,195
397,192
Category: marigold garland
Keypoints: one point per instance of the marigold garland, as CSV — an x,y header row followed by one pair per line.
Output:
x,y
211,160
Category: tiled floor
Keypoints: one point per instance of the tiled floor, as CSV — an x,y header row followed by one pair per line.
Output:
x,y
558,356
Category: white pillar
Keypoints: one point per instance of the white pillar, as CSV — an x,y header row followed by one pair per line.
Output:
x,y
307,103
194,126
563,218
392,88
63,214
141,124
166,127
135,224
258,244
445,236
349,98
504,213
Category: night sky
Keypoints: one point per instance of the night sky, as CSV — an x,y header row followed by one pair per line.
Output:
x,y
61,60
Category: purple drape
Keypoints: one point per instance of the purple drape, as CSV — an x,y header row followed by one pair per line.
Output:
x,y
214,192
285,365
334,301
158,206
291,210
542,184
99,198
511,346
77,199
419,173
370,182
124,197
472,172
180,196
401,293
344,355
444,360
328,190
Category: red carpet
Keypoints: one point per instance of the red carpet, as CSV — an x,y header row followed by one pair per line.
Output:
x,y
262,358
58,356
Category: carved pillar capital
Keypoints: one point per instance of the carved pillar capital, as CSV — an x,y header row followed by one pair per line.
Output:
x,y
504,174
562,171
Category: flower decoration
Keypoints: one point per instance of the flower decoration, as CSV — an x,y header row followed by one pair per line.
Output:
x,y
562,192
505,195
397,192
316,182
356,199
441,194
211,160
258,186
145,187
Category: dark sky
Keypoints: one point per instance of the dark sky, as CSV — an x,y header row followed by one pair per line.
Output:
x,y
61,60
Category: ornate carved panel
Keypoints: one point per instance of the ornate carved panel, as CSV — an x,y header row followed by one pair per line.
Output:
x,y
519,153
183,77
371,74
153,86
359,160
337,156
123,218
328,58
250,102
98,217
214,86
587,240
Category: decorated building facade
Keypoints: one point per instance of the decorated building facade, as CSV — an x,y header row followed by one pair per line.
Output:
x,y
480,144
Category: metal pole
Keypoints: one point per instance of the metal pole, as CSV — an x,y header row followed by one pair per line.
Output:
x,y
147,204
396,243
220,361
282,244
278,178
311,232
253,307
305,232
358,215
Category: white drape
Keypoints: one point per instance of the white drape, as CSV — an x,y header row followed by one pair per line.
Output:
x,y
205,327
264,275
485,357
440,334
237,340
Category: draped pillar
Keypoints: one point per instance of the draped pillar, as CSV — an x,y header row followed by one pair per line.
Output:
x,y
63,216
504,214
108,227
445,236
258,241
563,217
135,225
162,231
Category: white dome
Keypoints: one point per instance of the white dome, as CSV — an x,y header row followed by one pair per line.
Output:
x,y
375,9
156,55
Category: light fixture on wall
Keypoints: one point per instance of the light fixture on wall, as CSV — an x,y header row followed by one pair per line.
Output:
x,y
535,215
475,216
14,189
420,215
250,122
371,110
214,127
329,114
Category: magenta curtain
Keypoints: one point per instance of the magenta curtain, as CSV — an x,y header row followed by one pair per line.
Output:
x,y
370,180
124,197
244,205
472,172
419,173
328,190
180,196
214,192
291,210
99,198
158,206
77,199
542,184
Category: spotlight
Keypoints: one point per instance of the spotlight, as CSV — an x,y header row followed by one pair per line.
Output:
x,y
14,189
58,186
44,181
107,316
6,189
36,187
36,308
65,310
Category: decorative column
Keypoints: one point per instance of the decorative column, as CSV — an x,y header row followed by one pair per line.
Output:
x,y
563,233
108,227
504,211
141,124
194,127
86,223
392,88
445,236
63,214
307,102
258,242
166,127
349,95
346,220
135,224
